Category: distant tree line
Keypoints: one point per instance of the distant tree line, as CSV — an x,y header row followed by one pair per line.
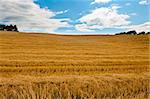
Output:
x,y
132,33
8,27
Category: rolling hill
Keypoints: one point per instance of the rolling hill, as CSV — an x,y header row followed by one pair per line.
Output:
x,y
58,66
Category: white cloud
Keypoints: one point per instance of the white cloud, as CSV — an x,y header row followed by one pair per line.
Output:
x,y
62,12
133,14
142,27
84,28
139,28
101,18
28,16
101,1
144,2
128,4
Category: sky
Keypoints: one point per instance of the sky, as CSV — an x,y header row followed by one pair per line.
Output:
x,y
76,16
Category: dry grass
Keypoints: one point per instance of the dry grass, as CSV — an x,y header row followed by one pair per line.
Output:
x,y
42,66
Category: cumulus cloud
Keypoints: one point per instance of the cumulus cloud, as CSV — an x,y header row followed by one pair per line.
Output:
x,y
28,16
101,1
144,2
101,18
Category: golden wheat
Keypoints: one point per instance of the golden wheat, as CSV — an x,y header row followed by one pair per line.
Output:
x,y
43,66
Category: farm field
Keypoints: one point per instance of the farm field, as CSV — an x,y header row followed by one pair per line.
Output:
x,y
46,66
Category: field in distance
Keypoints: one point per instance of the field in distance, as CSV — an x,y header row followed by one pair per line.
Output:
x,y
40,66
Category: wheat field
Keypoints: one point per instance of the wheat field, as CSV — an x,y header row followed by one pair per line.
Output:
x,y
46,66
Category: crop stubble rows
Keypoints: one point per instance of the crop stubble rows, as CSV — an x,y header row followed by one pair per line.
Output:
x,y
77,59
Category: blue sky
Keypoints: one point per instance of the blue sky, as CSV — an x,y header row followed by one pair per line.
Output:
x,y
77,16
